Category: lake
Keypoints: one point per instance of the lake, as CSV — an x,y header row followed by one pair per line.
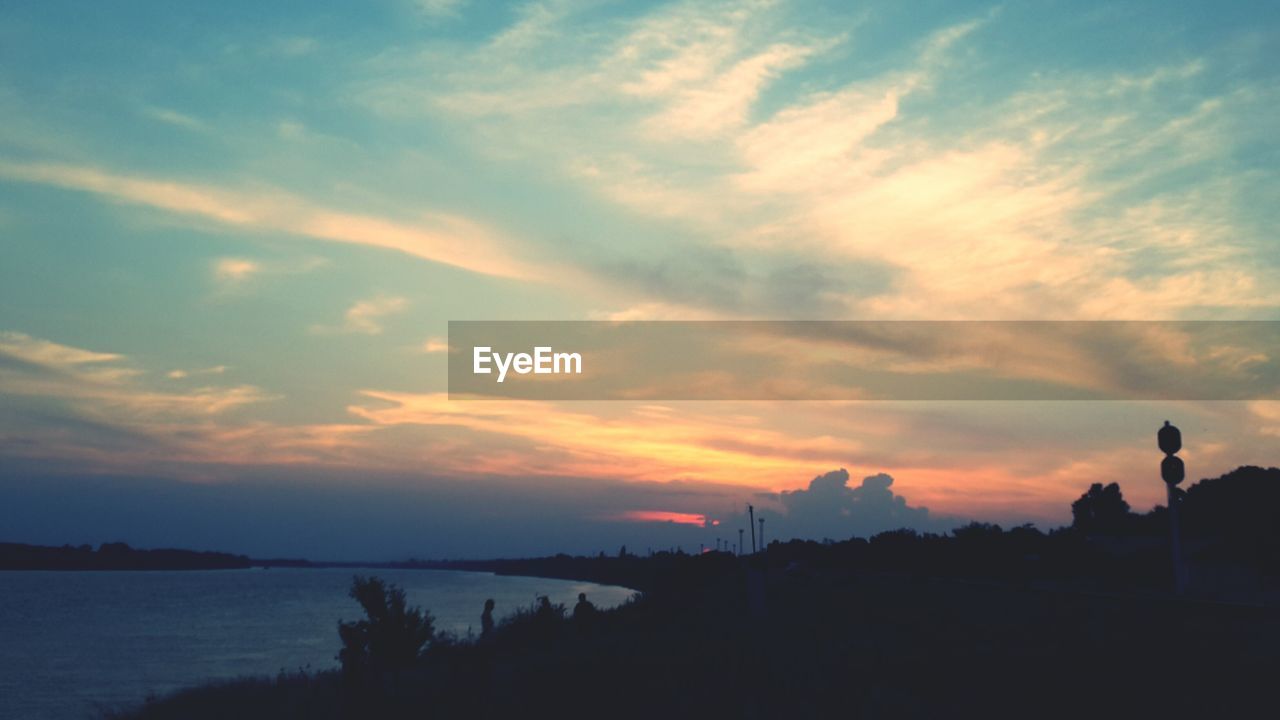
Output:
x,y
74,642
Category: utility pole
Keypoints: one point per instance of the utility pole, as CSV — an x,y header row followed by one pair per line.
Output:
x,y
751,513
762,545
739,545
1172,471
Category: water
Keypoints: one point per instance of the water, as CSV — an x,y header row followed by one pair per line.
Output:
x,y
74,642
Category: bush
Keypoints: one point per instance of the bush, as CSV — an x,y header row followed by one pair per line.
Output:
x,y
392,637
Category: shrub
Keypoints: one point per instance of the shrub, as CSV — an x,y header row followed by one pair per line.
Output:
x,y
391,637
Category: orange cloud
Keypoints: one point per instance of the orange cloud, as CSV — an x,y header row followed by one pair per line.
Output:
x,y
638,442
661,516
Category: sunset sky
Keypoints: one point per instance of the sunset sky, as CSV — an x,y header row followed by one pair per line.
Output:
x,y
232,236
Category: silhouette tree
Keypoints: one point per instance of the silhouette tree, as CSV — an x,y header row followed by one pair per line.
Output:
x,y
1101,510
392,635
1237,511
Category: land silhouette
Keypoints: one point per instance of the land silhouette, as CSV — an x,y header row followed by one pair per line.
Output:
x,y
983,621
114,556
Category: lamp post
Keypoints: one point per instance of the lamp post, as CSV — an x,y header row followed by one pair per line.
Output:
x,y
1173,471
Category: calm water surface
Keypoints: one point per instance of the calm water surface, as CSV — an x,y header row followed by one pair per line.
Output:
x,y
74,642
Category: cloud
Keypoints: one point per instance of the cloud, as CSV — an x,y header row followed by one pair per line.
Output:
x,y
440,8
180,374
53,356
86,408
175,118
1054,194
721,102
434,345
365,316
235,270
829,508
623,441
718,282
105,386
81,409
660,516
443,238
234,274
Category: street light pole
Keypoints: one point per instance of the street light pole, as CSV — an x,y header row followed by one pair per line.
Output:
x,y
1173,471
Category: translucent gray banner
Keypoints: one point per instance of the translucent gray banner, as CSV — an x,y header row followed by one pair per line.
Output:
x,y
864,360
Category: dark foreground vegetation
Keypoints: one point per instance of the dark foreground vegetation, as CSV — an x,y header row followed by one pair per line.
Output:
x,y
982,622
113,556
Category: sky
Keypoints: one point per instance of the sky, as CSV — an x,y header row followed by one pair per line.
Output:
x,y
232,236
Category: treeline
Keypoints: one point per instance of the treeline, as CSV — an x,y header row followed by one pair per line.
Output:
x,y
1226,522
113,556
1229,518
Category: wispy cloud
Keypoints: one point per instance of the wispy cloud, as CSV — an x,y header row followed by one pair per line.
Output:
x,y
434,345
640,444
235,270
448,239
661,516
175,118
180,374
235,275
365,316
94,410
105,385
1047,198
440,8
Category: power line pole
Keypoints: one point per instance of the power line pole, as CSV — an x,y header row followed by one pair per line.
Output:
x,y
751,513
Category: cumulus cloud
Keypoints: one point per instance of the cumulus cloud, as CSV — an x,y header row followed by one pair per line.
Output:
x,y
830,508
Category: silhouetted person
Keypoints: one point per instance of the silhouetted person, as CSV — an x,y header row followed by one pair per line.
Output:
x,y
486,620
584,610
